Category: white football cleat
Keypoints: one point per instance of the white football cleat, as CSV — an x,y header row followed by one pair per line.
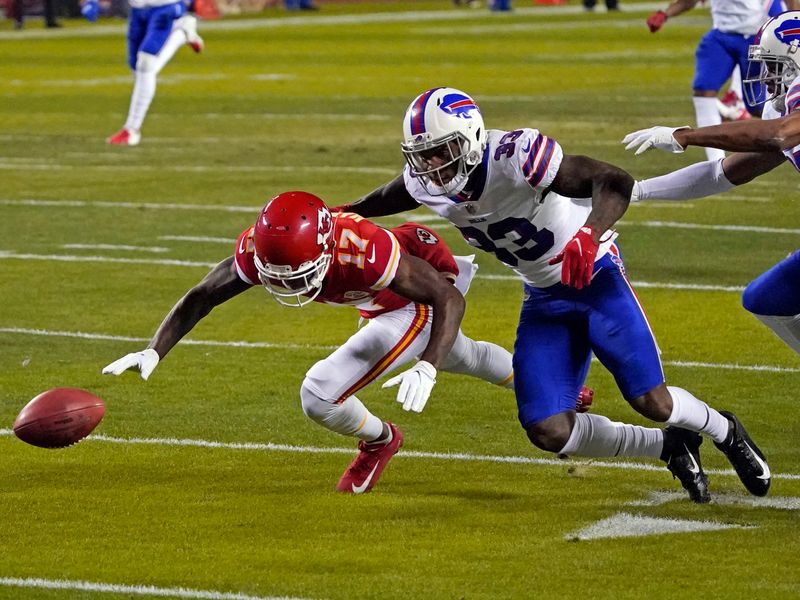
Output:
x,y
188,23
125,137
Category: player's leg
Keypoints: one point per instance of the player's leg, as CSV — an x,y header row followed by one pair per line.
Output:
x,y
623,341
713,66
551,359
152,53
484,360
137,29
328,390
774,298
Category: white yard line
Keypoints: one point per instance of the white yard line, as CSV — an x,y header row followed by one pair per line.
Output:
x,y
6,255
270,345
136,590
440,16
23,164
153,249
423,217
445,456
123,338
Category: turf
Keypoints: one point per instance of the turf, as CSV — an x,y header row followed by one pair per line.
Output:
x,y
314,103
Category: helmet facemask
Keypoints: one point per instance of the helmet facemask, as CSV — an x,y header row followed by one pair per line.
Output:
x,y
443,165
768,78
294,287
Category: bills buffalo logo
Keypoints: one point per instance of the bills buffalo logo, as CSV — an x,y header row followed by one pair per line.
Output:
x,y
788,31
324,226
458,105
426,237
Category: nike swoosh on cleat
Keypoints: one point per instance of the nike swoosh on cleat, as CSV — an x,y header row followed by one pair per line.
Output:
x,y
696,469
357,489
765,472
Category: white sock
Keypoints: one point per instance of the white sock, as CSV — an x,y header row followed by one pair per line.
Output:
x,y
148,67
786,328
144,88
695,415
350,417
485,360
176,39
596,435
736,81
707,114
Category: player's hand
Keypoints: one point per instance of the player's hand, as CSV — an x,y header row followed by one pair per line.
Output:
x,y
585,398
90,9
656,20
658,137
144,362
577,259
415,385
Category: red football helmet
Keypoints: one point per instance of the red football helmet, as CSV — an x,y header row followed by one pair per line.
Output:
x,y
293,247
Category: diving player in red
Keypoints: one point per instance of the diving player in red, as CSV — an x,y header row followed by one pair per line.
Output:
x,y
401,281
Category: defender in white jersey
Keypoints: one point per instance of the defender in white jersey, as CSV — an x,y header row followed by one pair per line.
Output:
x,y
548,216
721,51
759,146
156,29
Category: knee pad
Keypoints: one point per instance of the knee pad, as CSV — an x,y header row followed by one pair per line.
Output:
x,y
314,407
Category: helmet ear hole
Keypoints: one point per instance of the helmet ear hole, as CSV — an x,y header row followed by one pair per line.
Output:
x,y
478,134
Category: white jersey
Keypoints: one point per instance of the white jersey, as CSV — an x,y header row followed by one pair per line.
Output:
x,y
792,104
150,3
739,16
507,213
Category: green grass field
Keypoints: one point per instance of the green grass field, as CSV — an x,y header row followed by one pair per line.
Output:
x,y
233,495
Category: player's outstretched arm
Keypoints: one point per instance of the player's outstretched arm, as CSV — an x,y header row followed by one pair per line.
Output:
x,y
753,135
389,199
418,281
707,178
221,284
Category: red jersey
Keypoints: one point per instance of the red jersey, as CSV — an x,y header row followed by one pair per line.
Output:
x,y
365,261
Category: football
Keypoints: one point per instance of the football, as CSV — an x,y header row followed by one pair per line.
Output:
x,y
59,417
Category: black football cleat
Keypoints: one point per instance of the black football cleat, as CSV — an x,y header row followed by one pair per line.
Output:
x,y
748,461
682,455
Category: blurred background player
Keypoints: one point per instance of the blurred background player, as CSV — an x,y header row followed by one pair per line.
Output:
x,y
401,281
16,11
548,216
156,29
759,147
732,106
611,5
720,50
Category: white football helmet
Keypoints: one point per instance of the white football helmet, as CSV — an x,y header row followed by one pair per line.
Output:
x,y
774,60
444,139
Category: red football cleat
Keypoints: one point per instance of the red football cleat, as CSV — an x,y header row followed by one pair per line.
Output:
x,y
585,398
125,137
364,472
732,108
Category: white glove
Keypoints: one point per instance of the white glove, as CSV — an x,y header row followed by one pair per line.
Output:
x,y
144,361
636,192
415,385
658,137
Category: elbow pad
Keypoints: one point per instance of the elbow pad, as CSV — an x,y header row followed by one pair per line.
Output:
x,y
695,181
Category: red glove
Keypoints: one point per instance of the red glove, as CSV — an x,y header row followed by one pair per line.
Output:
x,y
584,400
656,20
578,259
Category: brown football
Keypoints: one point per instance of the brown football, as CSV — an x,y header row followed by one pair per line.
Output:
x,y
59,417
